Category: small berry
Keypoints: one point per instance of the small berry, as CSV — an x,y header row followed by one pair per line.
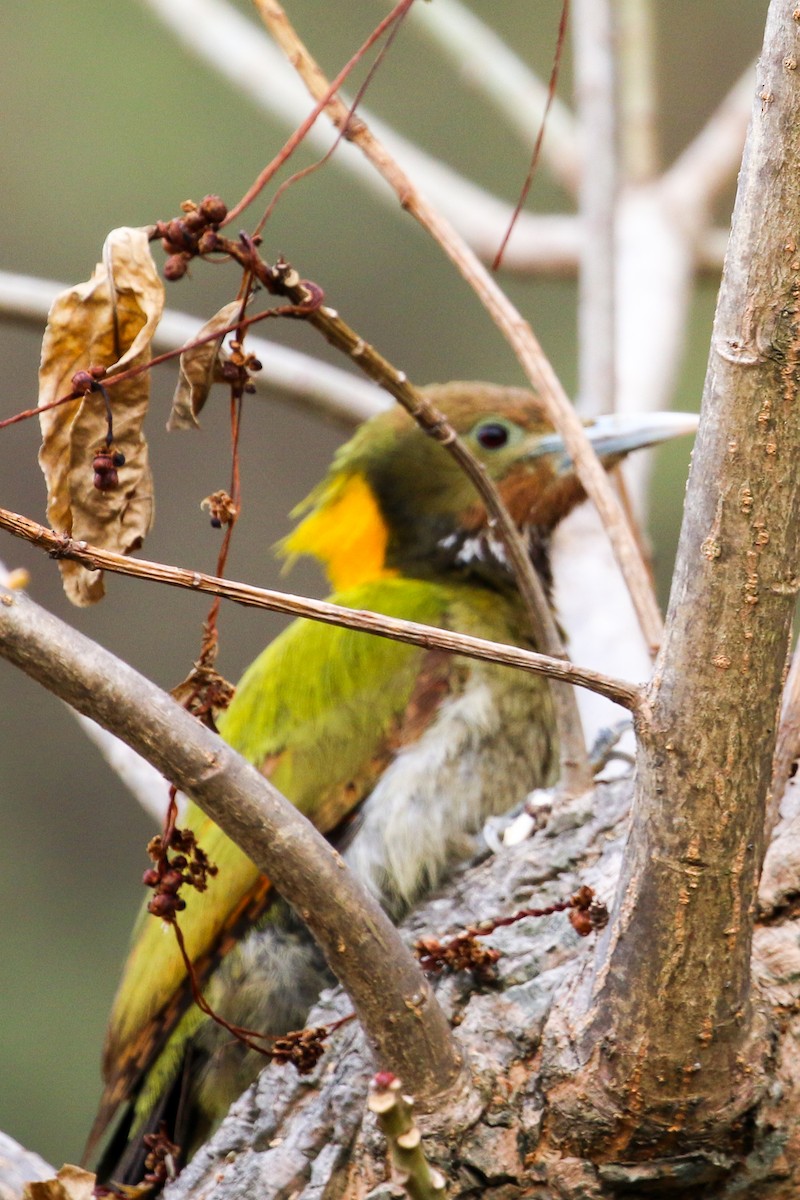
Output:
x,y
213,209
82,381
175,266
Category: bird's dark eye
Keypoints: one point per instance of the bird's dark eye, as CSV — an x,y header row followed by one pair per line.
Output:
x,y
492,435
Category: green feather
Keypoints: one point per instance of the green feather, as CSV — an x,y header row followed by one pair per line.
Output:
x,y
423,745
322,697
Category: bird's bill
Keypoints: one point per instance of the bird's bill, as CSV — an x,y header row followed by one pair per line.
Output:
x,y
613,435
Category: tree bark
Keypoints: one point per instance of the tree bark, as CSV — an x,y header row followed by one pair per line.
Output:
x,y
310,1138
662,1044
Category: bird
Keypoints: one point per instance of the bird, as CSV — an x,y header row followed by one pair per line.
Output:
x,y
397,753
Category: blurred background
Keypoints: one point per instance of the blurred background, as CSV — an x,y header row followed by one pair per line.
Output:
x,y
109,122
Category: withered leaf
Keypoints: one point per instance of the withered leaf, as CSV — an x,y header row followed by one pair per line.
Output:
x,y
108,321
71,1183
200,367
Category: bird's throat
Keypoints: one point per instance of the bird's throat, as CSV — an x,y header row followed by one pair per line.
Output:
x,y
346,532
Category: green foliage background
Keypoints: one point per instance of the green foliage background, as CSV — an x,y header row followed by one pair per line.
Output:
x,y
108,122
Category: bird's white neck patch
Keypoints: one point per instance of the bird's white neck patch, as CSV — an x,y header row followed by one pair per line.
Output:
x,y
483,547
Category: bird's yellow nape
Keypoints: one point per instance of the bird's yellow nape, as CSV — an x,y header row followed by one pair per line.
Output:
x,y
346,532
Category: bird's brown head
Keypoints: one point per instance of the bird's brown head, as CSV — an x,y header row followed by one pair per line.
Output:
x,y
396,502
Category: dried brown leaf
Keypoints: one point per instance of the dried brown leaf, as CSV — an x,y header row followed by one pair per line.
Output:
x,y
108,321
71,1183
200,367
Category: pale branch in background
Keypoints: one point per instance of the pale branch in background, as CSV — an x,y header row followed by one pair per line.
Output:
x,y
579,549
595,85
662,225
318,386
637,95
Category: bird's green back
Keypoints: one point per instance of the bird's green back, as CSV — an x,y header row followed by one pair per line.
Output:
x,y
319,712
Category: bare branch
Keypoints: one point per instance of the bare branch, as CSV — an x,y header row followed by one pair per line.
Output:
x,y
393,1000
318,610
517,331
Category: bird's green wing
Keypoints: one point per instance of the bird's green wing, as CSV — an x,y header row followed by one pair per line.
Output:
x,y
320,712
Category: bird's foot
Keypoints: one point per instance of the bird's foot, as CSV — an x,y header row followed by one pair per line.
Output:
x,y
606,747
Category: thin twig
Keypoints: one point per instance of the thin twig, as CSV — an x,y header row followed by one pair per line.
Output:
x,y
410,632
488,64
304,172
336,394
329,90
517,332
558,55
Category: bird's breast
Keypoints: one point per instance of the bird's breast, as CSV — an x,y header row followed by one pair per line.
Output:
x,y
487,747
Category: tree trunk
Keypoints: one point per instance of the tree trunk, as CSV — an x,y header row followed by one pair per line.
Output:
x,y
304,1138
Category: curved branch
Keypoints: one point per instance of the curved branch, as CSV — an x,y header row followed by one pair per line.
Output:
x,y
638,101
394,1002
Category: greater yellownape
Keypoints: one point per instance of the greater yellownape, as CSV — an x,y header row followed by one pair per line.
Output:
x,y
397,753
